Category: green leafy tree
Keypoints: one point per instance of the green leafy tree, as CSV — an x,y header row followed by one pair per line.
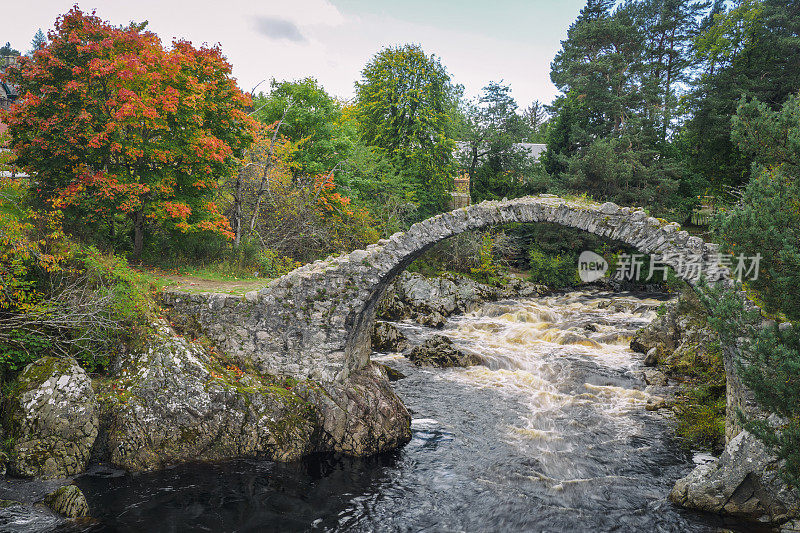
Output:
x,y
405,106
598,62
535,116
496,167
620,70
311,119
668,29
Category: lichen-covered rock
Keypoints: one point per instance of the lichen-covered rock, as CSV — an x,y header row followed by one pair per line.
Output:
x,y
51,414
174,403
744,482
430,301
681,337
387,338
439,351
68,501
362,416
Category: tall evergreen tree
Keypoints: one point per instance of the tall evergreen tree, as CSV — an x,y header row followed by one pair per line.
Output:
x,y
495,166
751,50
38,41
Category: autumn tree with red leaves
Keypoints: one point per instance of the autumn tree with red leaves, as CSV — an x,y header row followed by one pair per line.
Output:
x,y
124,134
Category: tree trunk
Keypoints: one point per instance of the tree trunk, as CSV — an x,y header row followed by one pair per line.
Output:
x,y
472,166
138,235
665,126
237,211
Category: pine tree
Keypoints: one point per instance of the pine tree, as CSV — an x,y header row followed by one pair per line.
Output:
x,y
38,41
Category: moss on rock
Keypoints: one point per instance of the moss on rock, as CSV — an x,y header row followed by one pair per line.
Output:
x,y
50,418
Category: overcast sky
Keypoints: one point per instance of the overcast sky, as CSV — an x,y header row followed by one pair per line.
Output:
x,y
478,42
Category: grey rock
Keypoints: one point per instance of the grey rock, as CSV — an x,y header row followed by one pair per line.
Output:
x,y
360,417
791,527
651,359
68,501
387,338
655,377
174,402
439,351
654,403
744,482
52,416
392,374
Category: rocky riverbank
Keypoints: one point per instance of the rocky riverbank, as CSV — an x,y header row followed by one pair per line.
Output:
x,y
429,301
744,481
178,399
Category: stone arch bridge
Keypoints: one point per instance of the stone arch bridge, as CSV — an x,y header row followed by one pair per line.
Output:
x,y
315,322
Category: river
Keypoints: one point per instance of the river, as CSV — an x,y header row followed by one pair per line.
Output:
x,y
550,434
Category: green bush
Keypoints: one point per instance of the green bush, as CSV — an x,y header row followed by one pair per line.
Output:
x,y
24,348
555,271
700,413
487,271
272,264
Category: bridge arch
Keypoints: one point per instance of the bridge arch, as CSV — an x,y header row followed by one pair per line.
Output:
x,y
316,321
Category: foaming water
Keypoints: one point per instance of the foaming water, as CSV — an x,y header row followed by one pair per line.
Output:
x,y
549,434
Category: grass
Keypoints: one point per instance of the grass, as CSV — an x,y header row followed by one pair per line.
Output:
x,y
201,279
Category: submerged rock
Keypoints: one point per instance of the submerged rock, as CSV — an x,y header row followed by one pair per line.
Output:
x,y
392,374
744,482
439,351
387,338
51,414
68,501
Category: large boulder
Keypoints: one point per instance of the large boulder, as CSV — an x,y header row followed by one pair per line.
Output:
x,y
51,415
745,482
362,416
387,338
439,351
176,402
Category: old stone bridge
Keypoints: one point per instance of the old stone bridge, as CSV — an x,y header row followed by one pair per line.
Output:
x,y
315,322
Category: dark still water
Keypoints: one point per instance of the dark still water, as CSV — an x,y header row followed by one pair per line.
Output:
x,y
550,434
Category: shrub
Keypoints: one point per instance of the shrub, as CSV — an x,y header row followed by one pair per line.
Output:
x,y
57,297
488,270
555,271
